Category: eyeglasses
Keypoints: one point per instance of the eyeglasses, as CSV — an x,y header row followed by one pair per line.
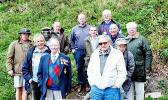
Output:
x,y
101,43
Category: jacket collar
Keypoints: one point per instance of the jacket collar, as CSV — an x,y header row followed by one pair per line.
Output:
x,y
135,36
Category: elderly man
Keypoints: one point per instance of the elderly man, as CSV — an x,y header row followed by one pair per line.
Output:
x,y
130,65
114,34
103,27
139,47
58,32
15,57
31,65
79,33
54,75
106,71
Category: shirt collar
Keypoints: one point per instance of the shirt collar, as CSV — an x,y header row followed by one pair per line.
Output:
x,y
39,51
56,55
107,53
82,26
135,36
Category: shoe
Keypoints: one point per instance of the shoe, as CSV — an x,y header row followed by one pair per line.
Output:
x,y
79,89
87,88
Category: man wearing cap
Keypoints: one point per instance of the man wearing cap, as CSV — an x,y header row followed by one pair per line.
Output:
x,y
106,71
15,57
31,65
129,63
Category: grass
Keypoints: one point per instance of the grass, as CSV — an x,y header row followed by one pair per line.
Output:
x,y
151,16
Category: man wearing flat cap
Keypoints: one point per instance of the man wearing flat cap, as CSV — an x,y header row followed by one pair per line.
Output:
x,y
15,57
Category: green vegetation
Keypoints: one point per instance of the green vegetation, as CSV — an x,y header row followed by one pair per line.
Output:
x,y
151,16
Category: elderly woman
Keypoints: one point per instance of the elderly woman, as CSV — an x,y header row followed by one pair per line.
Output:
x,y
129,63
139,47
114,34
54,75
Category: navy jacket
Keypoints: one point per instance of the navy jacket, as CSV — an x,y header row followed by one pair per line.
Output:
x,y
64,75
27,70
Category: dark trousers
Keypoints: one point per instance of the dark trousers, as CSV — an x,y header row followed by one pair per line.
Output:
x,y
81,73
35,91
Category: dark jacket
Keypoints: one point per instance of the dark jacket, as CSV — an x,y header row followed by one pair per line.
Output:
x,y
64,75
139,47
27,70
64,41
100,27
130,65
112,42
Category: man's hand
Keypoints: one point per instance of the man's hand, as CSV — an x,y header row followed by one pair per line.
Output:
x,y
73,51
11,73
114,86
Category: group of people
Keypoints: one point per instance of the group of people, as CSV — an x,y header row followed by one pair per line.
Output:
x,y
106,61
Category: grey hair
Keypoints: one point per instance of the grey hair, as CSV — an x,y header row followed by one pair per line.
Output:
x,y
37,36
92,26
106,11
131,24
81,14
56,23
104,36
53,40
115,25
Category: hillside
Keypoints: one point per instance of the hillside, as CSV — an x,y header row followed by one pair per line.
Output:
x,y
150,15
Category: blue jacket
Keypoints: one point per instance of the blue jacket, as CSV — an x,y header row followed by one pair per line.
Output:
x,y
64,75
27,70
78,36
112,42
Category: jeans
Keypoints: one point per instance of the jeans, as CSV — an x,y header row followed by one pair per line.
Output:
x,y
81,73
35,91
139,89
106,94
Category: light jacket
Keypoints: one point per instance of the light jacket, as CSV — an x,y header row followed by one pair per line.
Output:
x,y
114,70
64,74
16,55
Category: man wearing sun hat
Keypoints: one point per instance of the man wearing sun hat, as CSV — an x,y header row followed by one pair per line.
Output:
x,y
15,57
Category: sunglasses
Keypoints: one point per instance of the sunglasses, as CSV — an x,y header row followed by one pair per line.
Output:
x,y
101,43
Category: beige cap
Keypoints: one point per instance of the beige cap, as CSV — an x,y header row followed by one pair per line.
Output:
x,y
120,41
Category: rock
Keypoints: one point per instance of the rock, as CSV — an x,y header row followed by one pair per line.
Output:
x,y
154,95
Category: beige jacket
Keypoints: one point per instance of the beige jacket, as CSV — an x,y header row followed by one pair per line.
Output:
x,y
16,55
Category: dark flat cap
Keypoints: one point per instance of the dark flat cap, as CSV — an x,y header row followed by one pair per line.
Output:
x,y
24,30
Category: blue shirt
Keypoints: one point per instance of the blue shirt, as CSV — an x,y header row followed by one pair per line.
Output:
x,y
78,35
103,59
106,27
37,54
